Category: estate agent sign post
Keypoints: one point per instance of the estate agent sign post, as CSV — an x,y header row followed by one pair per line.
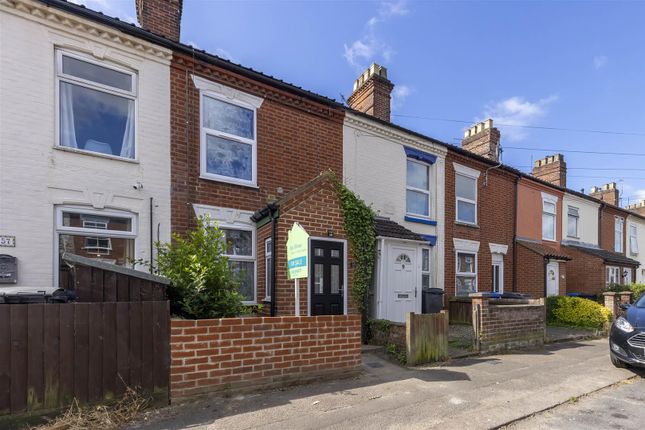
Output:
x,y
297,258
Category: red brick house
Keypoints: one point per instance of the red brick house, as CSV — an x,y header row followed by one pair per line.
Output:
x,y
243,142
480,211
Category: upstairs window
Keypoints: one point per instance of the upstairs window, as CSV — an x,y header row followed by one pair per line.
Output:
x,y
96,106
619,225
417,193
466,191
548,219
572,221
633,240
228,133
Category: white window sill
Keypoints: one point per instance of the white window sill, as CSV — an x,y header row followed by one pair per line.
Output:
x,y
96,154
249,303
467,224
549,240
267,299
208,177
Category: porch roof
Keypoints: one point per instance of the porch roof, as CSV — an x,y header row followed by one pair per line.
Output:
x,y
607,256
544,250
385,227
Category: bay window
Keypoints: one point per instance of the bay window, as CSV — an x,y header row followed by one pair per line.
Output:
x,y
96,106
417,193
240,251
619,225
103,235
613,275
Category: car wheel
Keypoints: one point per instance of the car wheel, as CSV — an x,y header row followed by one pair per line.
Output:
x,y
618,363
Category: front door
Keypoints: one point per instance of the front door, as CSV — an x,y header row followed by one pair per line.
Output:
x,y
402,283
326,277
552,279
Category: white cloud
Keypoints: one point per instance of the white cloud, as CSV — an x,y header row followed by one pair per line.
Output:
x,y
400,94
599,61
369,46
516,111
115,8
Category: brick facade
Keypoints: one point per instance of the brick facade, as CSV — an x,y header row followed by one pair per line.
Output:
x,y
495,217
503,326
296,140
318,211
608,215
586,272
251,353
162,17
530,272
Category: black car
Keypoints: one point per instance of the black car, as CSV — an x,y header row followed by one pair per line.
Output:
x,y
627,337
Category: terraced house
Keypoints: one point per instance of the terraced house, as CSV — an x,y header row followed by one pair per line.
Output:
x,y
84,142
254,155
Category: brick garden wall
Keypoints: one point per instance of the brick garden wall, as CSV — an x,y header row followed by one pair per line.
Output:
x,y
509,326
261,352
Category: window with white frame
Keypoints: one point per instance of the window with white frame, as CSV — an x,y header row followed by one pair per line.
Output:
x,y
228,133
417,192
268,267
633,239
498,273
107,236
240,250
619,225
573,217
96,106
466,274
466,194
627,276
613,275
425,269
548,217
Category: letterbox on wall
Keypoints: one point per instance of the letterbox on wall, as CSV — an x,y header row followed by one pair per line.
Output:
x,y
8,269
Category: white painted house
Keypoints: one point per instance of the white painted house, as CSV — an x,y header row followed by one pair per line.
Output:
x,y
635,244
84,143
580,220
402,176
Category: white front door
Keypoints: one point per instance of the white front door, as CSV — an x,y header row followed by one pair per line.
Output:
x,y
552,279
402,295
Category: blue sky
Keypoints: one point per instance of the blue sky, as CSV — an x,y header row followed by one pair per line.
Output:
x,y
574,65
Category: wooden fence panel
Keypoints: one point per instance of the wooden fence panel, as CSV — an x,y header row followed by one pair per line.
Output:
x,y
460,310
5,360
53,353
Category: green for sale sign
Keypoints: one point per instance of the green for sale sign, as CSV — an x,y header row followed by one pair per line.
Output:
x,y
297,252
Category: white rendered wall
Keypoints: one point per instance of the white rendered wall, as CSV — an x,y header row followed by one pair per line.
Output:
x,y
640,256
587,223
35,175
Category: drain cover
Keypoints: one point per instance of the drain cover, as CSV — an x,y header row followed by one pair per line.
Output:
x,y
375,364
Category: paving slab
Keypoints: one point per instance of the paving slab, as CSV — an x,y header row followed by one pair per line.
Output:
x,y
474,393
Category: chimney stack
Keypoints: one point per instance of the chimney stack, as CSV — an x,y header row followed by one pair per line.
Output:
x,y
483,139
372,93
608,193
162,17
638,208
551,169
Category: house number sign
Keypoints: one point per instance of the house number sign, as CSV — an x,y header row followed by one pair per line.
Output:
x,y
8,241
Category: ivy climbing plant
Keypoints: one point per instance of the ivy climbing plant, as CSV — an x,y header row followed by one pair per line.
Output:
x,y
359,227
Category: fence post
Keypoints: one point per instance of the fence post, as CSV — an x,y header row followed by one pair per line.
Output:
x,y
610,303
480,311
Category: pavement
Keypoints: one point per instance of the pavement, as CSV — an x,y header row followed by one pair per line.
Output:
x,y
617,407
474,393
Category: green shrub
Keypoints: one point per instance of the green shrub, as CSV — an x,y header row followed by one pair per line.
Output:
x,y
576,311
637,289
202,284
